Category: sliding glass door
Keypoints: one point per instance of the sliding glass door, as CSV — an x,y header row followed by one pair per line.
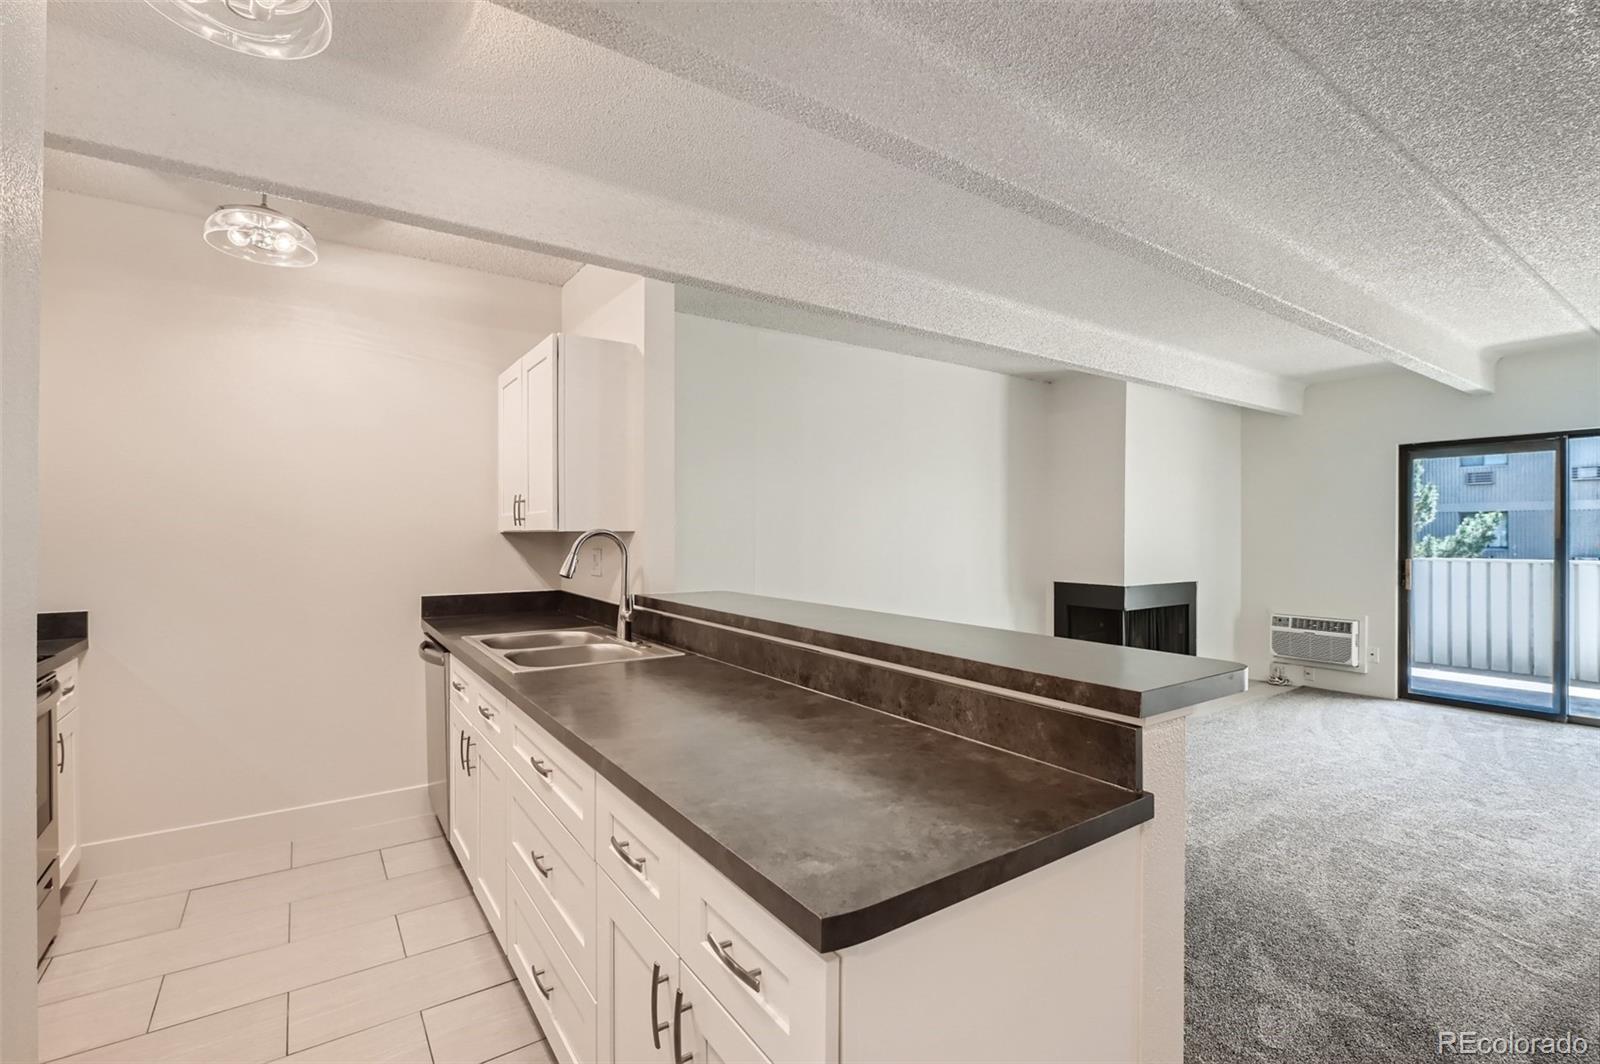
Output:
x,y
1483,576
1583,579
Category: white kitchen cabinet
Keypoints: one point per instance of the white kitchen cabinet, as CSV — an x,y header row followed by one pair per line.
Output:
x,y
557,996
478,794
463,792
489,869
67,806
570,437
512,423
637,981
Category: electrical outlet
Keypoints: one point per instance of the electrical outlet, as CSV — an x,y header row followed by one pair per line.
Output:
x,y
1372,655
1308,675
594,568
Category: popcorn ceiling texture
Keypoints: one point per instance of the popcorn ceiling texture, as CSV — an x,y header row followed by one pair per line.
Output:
x,y
1190,135
1182,194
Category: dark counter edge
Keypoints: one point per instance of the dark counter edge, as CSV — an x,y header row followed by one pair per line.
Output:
x,y
1117,700
823,934
67,636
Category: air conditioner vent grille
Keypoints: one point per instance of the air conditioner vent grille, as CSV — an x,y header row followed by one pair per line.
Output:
x,y
1331,641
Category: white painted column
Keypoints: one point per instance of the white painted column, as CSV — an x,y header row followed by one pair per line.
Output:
x,y
1164,745
658,561
22,203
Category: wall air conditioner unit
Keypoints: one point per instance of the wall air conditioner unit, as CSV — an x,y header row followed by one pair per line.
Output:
x,y
1480,477
1331,642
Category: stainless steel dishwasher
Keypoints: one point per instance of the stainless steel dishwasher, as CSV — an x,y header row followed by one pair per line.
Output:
x,y
438,725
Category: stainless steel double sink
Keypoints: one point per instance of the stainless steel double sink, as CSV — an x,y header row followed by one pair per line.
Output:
x,y
564,648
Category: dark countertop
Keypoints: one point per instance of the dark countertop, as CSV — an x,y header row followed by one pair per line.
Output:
x,y
62,637
1124,680
54,653
842,822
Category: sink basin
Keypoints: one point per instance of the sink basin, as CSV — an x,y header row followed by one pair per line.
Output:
x,y
564,648
563,637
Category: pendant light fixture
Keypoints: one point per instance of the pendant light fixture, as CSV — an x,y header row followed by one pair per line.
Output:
x,y
257,233
271,29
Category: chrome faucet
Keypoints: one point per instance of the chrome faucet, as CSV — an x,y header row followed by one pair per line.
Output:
x,y
569,567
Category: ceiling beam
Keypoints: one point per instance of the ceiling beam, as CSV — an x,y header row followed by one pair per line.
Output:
x,y
337,153
1317,298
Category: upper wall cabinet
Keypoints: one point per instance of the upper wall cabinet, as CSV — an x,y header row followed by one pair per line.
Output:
x,y
569,416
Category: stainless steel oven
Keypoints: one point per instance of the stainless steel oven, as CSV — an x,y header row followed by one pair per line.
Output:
x,y
47,695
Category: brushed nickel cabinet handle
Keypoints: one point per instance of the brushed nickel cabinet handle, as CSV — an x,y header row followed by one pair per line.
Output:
x,y
61,746
621,850
539,767
458,685
656,1024
485,712
538,863
678,1009
537,972
750,977
468,761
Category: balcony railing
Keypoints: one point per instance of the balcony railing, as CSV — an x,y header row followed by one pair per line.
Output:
x,y
1494,614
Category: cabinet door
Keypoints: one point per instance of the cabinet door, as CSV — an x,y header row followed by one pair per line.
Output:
x,y
539,394
489,864
704,1028
463,792
67,792
637,982
513,462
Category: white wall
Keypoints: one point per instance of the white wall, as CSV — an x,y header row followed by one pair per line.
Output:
x,y
822,471
1322,499
1087,471
248,478
1184,505
22,36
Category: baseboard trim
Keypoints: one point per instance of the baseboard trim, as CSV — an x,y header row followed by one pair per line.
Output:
x,y
133,852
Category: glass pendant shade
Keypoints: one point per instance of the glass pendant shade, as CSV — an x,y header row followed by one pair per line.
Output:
x,y
260,234
271,29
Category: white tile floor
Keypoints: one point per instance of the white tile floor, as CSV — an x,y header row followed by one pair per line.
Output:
x,y
362,946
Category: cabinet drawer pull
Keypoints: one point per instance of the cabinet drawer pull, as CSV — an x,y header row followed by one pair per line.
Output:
x,y
539,767
537,972
486,713
461,748
468,761
656,1026
61,745
538,863
750,977
679,1007
458,685
621,849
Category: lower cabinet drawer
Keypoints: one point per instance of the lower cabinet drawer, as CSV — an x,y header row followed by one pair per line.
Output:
x,y
558,776
640,856
776,987
558,997
558,876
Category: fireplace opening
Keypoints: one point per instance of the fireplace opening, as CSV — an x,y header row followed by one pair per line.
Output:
x,y
1148,616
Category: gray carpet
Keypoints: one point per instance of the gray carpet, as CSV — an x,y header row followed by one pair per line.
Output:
x,y
1363,873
